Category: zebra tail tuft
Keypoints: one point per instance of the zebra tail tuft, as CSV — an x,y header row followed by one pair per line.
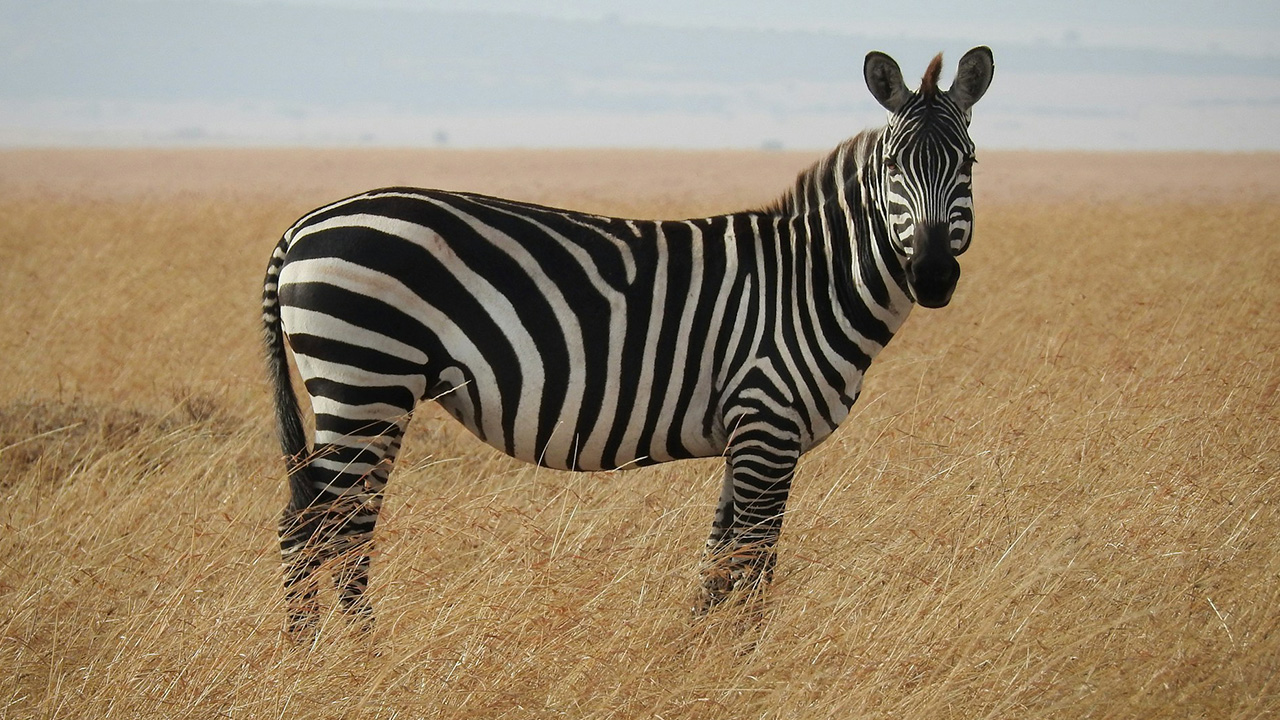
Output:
x,y
293,436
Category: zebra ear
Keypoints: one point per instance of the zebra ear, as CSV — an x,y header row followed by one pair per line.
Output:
x,y
884,80
972,77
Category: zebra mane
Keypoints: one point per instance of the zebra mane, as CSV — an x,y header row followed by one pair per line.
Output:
x,y
825,176
929,83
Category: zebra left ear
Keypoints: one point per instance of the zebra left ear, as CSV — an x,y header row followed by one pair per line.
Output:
x,y
972,77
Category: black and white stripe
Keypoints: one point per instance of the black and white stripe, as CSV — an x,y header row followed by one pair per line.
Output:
x,y
583,342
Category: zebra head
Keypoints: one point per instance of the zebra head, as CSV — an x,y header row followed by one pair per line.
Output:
x,y
925,166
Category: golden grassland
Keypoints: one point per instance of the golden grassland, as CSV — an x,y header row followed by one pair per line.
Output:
x,y
1056,498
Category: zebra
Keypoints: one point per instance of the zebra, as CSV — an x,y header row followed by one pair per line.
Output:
x,y
583,342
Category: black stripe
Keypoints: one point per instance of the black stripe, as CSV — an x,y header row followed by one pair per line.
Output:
x,y
639,307
394,395
679,246
340,351
700,333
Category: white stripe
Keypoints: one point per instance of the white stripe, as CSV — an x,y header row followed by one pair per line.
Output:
x,y
302,320
312,367
630,450
729,386
692,433
346,468
680,362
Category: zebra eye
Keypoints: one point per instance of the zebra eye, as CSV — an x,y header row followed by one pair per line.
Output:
x,y
891,163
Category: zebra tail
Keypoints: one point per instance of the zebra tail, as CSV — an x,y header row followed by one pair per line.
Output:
x,y
293,436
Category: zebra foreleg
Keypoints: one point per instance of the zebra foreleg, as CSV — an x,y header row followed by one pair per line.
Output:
x,y
741,551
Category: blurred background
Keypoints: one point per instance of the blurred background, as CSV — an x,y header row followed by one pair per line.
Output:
x,y
1090,74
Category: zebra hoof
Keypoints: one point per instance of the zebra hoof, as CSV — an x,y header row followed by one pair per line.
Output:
x,y
361,619
302,628
737,583
716,588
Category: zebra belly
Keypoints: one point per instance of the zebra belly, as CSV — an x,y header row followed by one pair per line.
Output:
x,y
570,447
584,429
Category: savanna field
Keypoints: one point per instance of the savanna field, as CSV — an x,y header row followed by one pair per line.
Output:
x,y
1057,498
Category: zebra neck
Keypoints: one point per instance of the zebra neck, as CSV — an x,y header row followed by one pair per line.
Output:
x,y
837,205
888,268
867,277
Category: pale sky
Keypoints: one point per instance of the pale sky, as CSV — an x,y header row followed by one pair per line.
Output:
x,y
1247,27
1184,74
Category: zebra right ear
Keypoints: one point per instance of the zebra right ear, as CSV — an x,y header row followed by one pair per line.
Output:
x,y
884,80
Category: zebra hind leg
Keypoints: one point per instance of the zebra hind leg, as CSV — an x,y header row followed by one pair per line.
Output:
x,y
335,530
351,575
301,560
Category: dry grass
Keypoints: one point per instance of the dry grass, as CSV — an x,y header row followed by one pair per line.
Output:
x,y
1057,497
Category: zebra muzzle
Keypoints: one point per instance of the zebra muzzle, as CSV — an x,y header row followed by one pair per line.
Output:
x,y
932,269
